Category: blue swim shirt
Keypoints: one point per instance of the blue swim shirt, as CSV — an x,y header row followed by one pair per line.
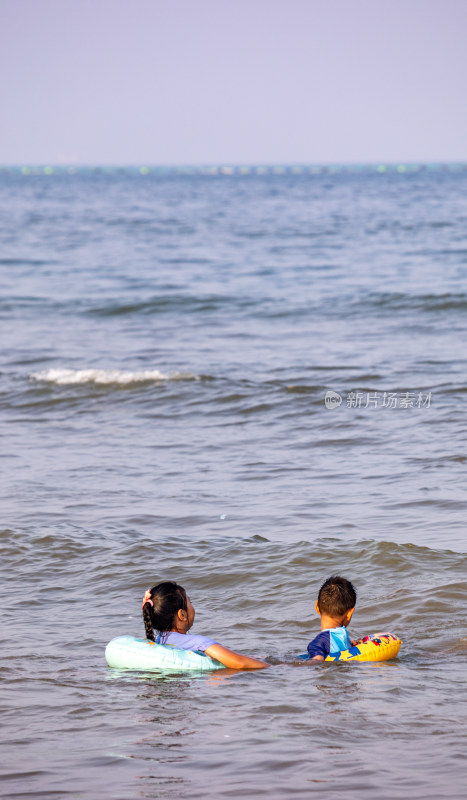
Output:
x,y
329,641
185,641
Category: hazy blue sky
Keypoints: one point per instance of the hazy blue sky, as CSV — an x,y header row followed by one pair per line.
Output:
x,y
232,81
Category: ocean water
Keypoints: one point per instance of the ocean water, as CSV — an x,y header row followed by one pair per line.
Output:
x,y
245,383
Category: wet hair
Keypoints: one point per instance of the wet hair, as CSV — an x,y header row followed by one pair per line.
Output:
x,y
336,597
167,599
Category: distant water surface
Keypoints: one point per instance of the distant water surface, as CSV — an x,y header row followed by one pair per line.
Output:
x,y
168,342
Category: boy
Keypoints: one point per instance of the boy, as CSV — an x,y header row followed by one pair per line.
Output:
x,y
335,605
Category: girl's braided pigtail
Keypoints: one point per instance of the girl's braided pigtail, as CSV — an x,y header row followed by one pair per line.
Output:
x,y
147,622
147,617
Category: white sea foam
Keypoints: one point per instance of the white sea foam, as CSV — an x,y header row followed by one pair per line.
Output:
x,y
102,377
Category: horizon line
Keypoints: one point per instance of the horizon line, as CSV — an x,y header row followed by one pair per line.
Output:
x,y
240,168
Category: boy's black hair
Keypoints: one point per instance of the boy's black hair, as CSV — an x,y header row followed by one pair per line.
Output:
x,y
336,597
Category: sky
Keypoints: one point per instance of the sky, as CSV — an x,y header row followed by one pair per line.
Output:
x,y
169,82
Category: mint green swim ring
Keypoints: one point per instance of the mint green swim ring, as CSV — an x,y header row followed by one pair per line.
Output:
x,y
128,652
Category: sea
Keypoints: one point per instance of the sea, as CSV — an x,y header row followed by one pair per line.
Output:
x,y
246,380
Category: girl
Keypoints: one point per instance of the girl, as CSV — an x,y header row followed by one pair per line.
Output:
x,y
167,608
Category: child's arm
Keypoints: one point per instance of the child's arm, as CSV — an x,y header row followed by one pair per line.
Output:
x,y
233,660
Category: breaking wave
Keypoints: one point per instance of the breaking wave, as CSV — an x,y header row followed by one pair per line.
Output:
x,y
104,377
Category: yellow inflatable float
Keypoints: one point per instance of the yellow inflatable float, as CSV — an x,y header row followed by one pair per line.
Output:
x,y
379,647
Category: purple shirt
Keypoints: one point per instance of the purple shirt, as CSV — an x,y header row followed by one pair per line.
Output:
x,y
185,641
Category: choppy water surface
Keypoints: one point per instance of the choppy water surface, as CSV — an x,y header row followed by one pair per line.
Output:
x,y
167,345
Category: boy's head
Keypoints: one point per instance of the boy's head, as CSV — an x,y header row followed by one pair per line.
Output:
x,y
336,599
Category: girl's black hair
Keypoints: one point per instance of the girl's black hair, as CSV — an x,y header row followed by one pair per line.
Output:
x,y
167,599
